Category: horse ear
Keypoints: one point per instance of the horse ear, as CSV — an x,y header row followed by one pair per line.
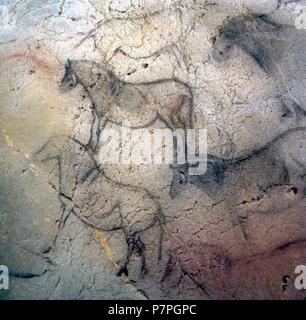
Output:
x,y
68,66
69,79
180,180
113,82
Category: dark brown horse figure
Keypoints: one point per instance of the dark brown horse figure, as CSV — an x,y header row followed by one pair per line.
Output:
x,y
114,100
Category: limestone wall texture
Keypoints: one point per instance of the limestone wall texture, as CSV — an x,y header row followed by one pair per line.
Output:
x,y
72,227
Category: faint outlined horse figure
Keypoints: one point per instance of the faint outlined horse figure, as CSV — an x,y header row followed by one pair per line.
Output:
x,y
98,201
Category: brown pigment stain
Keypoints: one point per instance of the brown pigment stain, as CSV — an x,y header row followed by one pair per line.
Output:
x,y
40,63
219,276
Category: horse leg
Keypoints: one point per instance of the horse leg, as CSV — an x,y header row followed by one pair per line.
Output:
x,y
130,239
141,251
96,129
181,114
134,243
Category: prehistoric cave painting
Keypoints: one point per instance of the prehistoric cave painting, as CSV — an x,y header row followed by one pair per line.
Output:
x,y
257,35
268,43
103,204
86,192
114,100
98,201
274,165
265,166
84,189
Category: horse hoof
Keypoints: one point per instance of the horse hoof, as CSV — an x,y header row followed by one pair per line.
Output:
x,y
123,270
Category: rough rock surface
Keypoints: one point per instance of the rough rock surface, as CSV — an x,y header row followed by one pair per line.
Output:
x,y
74,228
